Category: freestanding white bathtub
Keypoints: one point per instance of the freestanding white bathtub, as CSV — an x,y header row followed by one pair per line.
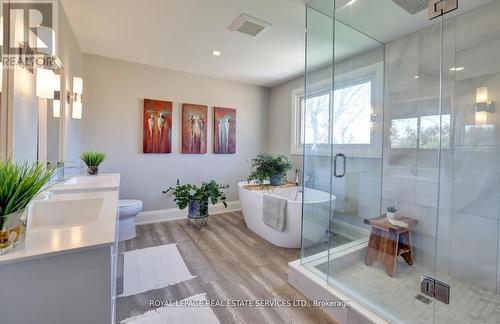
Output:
x,y
251,206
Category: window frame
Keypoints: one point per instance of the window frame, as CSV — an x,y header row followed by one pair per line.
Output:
x,y
372,73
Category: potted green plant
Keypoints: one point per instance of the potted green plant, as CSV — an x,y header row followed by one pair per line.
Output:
x,y
92,160
391,212
197,198
266,167
19,183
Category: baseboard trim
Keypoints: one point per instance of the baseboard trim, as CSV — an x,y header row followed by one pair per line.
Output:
x,y
163,215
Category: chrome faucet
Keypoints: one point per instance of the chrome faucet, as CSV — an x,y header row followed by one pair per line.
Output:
x,y
299,180
298,173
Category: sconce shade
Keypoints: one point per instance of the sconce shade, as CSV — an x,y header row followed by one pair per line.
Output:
x,y
78,85
483,104
481,94
77,110
44,83
57,82
77,100
56,108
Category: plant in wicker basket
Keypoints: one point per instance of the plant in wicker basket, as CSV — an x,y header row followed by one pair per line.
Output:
x,y
197,198
266,167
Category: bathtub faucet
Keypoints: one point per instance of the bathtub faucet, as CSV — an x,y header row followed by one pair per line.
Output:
x,y
298,173
298,181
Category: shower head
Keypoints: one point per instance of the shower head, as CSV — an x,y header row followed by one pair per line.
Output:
x,y
412,6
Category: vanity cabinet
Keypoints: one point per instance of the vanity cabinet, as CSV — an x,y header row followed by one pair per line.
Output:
x,y
65,271
74,287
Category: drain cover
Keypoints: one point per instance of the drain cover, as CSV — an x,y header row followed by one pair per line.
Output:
x,y
423,299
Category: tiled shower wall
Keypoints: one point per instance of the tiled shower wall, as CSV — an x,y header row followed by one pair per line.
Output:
x,y
463,238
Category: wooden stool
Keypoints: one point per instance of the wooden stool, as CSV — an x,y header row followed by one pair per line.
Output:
x,y
387,241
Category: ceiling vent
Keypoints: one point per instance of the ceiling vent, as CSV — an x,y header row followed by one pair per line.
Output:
x,y
249,25
412,6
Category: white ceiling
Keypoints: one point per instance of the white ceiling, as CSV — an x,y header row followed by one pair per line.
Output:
x,y
181,35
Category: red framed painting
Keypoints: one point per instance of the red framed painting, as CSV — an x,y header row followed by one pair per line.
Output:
x,y
157,126
224,130
194,129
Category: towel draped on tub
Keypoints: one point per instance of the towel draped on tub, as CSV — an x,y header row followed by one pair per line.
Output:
x,y
274,211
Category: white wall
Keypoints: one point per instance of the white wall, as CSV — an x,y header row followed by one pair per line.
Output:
x,y
112,122
280,119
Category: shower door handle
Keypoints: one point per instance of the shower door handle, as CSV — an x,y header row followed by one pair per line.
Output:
x,y
337,156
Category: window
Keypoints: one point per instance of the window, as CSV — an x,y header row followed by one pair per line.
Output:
x,y
352,111
345,116
420,132
315,125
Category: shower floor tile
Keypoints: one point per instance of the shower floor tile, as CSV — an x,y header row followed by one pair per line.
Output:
x,y
397,295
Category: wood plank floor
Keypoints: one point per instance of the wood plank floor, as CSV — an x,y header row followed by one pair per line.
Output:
x,y
229,262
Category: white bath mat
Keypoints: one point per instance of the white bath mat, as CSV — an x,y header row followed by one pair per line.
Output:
x,y
177,314
153,268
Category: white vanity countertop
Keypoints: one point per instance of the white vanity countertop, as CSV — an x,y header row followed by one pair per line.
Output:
x,y
79,221
83,183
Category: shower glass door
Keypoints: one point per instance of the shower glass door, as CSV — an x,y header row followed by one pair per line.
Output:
x,y
313,134
340,120
392,147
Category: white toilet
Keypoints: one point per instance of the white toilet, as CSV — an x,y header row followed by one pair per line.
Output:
x,y
128,209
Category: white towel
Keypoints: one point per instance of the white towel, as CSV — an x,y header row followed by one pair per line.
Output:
x,y
274,212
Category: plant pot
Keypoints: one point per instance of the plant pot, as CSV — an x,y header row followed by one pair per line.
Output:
x,y
92,170
198,209
391,215
12,231
276,179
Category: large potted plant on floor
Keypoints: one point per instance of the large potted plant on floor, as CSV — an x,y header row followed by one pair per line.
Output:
x,y
92,160
197,198
266,167
19,183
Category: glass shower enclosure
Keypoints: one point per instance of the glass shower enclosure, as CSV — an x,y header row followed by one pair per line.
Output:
x,y
399,111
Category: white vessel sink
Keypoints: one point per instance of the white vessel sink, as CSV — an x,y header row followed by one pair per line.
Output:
x,y
72,220
64,213
84,183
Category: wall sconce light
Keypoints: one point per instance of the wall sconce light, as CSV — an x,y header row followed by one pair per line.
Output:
x,y
77,97
56,104
483,106
44,83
